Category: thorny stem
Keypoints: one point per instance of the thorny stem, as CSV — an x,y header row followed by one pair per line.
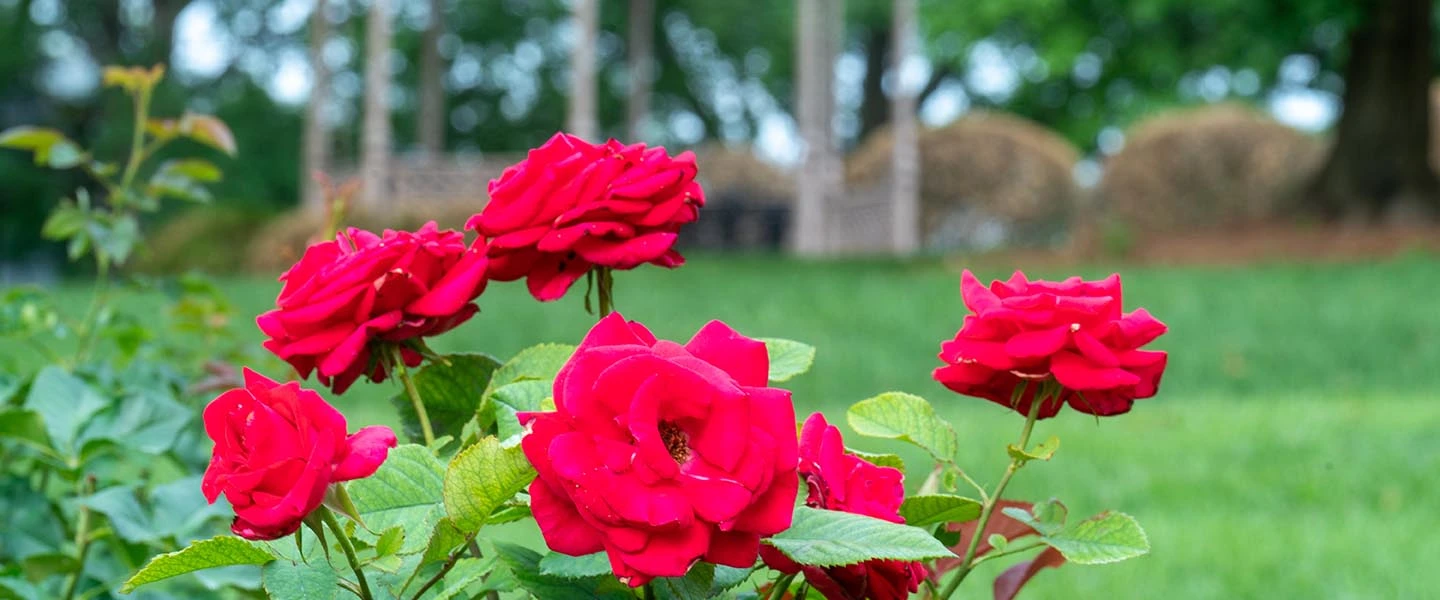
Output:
x,y
968,563
404,374
349,549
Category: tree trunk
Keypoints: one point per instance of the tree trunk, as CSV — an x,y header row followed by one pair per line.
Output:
x,y
375,149
814,100
432,87
641,67
582,120
316,144
1380,163
905,158
879,47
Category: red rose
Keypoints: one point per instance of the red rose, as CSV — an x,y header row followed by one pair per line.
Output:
x,y
277,448
571,205
347,300
839,481
661,454
1041,332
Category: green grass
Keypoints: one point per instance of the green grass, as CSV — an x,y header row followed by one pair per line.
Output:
x,y
1289,452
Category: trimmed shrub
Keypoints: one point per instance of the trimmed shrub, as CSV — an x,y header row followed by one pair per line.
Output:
x,y
989,179
211,238
1215,166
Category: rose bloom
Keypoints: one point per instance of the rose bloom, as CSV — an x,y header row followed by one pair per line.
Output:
x,y
842,482
347,300
662,454
277,448
571,205
1039,333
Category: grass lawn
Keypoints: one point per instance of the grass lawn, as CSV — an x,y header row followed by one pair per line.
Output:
x,y
1287,455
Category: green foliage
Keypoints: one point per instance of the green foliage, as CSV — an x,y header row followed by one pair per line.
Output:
x,y
285,580
524,565
574,567
1042,451
922,510
452,389
1105,538
880,460
219,551
482,478
906,417
829,538
406,493
788,359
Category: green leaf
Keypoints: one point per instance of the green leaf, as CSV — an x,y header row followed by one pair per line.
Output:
x,y
1047,517
18,589
466,572
208,130
509,514
575,567
695,585
727,578
512,399
390,541
541,361
147,421
998,541
63,155
25,426
788,358
1043,451
480,479
406,491
524,565
1105,538
117,239
65,403
174,185
879,460
906,417
285,580
827,538
218,551
920,511
445,538
451,392
50,147
65,221
196,169
27,137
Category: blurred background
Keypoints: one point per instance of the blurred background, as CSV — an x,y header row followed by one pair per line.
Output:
x,y
1263,175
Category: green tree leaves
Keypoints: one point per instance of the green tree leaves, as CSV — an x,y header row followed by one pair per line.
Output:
x,y
923,510
405,492
219,551
1105,538
829,538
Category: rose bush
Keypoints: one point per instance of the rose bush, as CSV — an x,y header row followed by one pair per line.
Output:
x,y
843,482
648,463
278,447
572,205
1024,334
662,454
349,302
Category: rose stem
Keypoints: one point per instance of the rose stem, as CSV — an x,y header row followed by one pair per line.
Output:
x,y
349,549
989,507
414,394
82,538
604,281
